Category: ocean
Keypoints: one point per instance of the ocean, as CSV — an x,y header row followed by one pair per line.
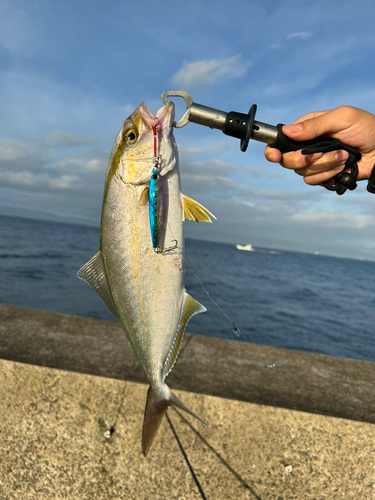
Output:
x,y
286,299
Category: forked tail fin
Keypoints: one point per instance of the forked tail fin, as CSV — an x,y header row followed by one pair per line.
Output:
x,y
154,412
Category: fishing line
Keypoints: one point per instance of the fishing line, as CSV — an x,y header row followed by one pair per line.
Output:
x,y
218,455
186,459
218,310
158,163
235,330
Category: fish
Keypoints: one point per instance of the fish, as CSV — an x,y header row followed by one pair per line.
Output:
x,y
142,287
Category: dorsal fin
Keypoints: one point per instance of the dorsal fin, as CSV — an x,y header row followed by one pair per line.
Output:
x,y
94,274
195,211
189,308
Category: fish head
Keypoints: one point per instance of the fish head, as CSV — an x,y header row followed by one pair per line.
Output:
x,y
133,153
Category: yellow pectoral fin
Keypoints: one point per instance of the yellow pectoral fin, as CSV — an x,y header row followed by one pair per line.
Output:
x,y
143,199
195,211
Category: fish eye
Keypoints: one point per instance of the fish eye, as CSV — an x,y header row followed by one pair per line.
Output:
x,y
130,136
154,176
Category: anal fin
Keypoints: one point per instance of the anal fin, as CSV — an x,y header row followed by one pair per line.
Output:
x,y
189,309
194,211
94,274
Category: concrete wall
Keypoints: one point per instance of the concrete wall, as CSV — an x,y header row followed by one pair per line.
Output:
x,y
71,427
308,382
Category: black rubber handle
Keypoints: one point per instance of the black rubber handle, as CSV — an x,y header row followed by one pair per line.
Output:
x,y
343,181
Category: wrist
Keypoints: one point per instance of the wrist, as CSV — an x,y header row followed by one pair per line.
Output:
x,y
365,168
371,182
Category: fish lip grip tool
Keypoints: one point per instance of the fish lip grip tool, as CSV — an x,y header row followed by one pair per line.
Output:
x,y
245,127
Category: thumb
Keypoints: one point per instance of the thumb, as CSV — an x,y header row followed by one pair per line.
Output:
x,y
321,123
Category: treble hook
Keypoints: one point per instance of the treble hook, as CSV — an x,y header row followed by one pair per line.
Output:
x,y
161,250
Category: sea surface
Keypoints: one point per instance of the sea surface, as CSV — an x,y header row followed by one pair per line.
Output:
x,y
286,299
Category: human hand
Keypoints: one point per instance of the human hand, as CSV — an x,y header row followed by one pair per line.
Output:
x,y
352,126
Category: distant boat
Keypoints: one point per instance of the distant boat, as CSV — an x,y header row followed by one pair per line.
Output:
x,y
248,247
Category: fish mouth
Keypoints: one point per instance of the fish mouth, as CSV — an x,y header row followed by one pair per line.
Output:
x,y
164,116
143,113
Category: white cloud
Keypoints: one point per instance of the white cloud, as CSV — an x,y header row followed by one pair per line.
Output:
x,y
38,181
216,184
275,46
82,165
207,72
37,167
96,165
21,154
300,35
263,173
64,182
287,87
211,167
336,51
248,203
216,147
61,139
334,218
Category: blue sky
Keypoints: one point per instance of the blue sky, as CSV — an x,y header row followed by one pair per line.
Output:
x,y
71,72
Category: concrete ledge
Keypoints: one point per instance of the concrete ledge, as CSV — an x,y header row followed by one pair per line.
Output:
x,y
66,435
307,382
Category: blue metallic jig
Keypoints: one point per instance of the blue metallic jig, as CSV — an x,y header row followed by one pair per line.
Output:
x,y
156,207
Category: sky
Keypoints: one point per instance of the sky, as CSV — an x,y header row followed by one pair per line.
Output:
x,y
72,71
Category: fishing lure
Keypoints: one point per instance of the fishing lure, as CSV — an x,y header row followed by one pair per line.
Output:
x,y
153,194
156,209
155,197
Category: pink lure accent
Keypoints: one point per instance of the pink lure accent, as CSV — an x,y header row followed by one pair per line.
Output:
x,y
156,130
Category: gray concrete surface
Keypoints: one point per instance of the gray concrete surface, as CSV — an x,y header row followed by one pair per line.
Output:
x,y
307,382
71,427
55,444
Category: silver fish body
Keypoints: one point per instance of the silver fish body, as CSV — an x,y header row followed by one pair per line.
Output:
x,y
143,288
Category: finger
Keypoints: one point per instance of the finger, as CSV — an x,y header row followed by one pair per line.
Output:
x,y
330,161
276,157
308,116
319,178
296,160
272,154
328,123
